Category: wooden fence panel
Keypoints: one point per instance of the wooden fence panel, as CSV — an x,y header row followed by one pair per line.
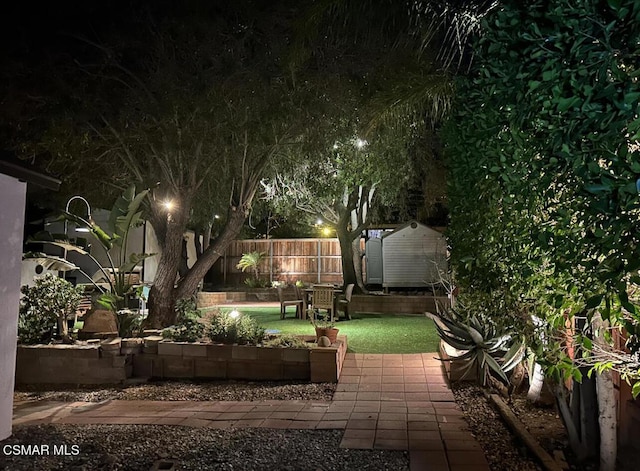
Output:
x,y
289,260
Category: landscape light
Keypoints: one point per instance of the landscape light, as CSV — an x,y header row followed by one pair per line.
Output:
x,y
234,314
168,205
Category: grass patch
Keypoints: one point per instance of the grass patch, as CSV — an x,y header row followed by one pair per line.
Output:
x,y
367,333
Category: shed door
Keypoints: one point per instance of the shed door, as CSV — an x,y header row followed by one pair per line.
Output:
x,y
373,254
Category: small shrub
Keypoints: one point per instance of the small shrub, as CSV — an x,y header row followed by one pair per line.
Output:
x,y
288,341
52,300
249,332
225,328
256,283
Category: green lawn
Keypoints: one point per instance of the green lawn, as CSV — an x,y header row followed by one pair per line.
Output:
x,y
367,333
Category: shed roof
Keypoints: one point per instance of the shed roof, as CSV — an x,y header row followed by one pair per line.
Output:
x,y
409,224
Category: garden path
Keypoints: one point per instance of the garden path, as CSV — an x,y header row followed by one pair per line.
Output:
x,y
382,401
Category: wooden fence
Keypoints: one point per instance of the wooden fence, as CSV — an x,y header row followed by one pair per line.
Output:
x,y
308,260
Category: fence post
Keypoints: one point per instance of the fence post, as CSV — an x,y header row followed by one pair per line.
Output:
x,y
270,259
224,268
319,262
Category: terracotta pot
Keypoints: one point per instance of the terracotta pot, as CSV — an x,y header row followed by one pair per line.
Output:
x,y
330,332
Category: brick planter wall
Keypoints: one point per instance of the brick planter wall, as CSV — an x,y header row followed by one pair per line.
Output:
x,y
68,364
151,357
205,360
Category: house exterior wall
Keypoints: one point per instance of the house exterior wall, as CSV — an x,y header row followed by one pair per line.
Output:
x,y
412,256
12,195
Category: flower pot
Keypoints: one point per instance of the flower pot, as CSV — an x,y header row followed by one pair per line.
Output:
x,y
330,332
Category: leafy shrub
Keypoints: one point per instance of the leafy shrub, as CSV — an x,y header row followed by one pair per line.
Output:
x,y
189,326
129,323
226,328
52,300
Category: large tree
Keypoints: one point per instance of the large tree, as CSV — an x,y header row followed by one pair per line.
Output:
x,y
195,107
543,186
382,147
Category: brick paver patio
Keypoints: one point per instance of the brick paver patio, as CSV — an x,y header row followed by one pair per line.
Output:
x,y
382,401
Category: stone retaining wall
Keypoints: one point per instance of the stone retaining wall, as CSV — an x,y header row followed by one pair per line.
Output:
x,y
115,360
208,299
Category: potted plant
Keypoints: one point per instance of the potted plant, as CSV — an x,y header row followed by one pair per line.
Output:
x,y
324,326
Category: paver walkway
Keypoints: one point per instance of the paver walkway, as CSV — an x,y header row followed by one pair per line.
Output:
x,y
388,401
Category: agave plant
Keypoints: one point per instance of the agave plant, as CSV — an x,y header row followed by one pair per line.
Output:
x,y
486,349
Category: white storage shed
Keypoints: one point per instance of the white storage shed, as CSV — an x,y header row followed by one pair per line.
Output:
x,y
413,256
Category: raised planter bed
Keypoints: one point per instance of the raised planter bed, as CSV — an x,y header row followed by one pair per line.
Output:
x,y
116,360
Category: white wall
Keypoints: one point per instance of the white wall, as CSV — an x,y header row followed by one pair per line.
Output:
x,y
12,195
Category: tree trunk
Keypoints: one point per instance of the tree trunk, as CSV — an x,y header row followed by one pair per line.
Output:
x,y
357,263
162,295
588,403
607,413
189,284
535,383
573,435
183,267
346,251
607,421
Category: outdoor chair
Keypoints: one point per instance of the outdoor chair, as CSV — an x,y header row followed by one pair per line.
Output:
x,y
298,302
323,299
343,303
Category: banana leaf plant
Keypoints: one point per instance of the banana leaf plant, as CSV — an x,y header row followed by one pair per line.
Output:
x,y
126,214
486,349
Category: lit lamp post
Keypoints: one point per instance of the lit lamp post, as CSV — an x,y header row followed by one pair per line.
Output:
x,y
78,229
66,209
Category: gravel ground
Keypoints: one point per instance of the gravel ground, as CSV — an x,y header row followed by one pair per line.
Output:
x,y
184,391
504,452
134,447
137,447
